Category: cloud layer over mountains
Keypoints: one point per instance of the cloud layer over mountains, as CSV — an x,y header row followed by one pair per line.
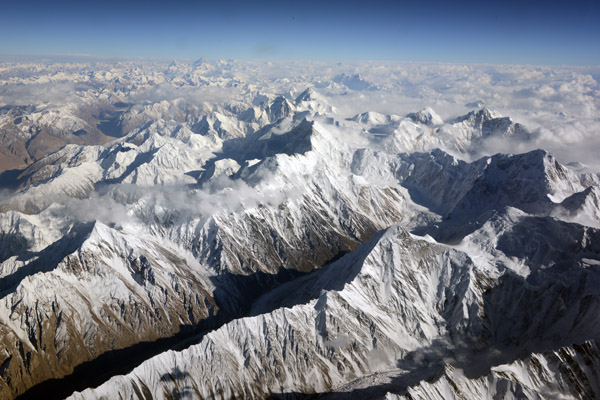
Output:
x,y
561,103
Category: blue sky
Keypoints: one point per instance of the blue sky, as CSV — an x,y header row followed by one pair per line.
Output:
x,y
509,32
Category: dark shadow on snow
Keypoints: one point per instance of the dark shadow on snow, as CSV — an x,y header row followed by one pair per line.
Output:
x,y
46,260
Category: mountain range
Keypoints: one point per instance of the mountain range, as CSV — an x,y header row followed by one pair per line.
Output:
x,y
265,245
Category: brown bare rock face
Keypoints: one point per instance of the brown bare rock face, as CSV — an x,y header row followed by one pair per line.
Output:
x,y
27,135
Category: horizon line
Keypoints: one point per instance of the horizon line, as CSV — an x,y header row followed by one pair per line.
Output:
x,y
108,58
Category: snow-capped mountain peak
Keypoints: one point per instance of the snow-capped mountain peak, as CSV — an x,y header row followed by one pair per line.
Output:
x,y
426,116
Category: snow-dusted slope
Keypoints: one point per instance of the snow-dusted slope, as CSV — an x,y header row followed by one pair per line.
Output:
x,y
582,207
569,372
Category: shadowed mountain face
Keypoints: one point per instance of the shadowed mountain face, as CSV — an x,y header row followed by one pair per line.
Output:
x,y
285,245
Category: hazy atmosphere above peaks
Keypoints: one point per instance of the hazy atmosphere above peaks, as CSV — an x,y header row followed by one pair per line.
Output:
x,y
509,32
